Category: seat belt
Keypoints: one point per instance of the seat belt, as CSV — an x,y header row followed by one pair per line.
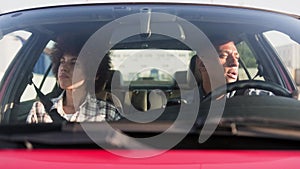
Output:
x,y
55,116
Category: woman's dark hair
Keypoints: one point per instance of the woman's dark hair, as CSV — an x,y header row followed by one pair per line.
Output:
x,y
66,44
72,44
194,70
103,75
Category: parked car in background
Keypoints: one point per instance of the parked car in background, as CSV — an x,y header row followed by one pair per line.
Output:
x,y
167,122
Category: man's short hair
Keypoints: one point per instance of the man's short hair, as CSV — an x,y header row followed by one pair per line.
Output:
x,y
218,40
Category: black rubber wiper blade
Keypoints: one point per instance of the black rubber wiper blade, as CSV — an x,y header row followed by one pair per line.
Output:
x,y
262,121
69,135
17,135
46,134
29,128
260,127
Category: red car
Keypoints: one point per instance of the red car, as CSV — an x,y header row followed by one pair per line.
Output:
x,y
187,85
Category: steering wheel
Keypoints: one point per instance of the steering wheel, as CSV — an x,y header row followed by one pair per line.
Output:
x,y
247,84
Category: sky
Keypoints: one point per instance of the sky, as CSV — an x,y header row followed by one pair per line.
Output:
x,y
290,6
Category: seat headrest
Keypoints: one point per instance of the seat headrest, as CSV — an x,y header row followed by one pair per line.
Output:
x,y
115,81
193,75
181,77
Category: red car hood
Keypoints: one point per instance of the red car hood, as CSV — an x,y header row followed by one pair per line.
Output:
x,y
182,159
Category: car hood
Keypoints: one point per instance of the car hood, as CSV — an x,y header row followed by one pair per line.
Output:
x,y
171,159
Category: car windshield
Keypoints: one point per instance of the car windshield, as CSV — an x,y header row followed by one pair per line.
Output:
x,y
145,69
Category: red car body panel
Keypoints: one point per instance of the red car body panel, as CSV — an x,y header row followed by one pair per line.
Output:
x,y
183,159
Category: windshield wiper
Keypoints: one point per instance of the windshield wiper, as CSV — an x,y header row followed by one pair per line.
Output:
x,y
19,135
260,127
66,135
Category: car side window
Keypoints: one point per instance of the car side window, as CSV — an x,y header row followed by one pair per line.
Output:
x,y
10,44
43,77
286,48
249,60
